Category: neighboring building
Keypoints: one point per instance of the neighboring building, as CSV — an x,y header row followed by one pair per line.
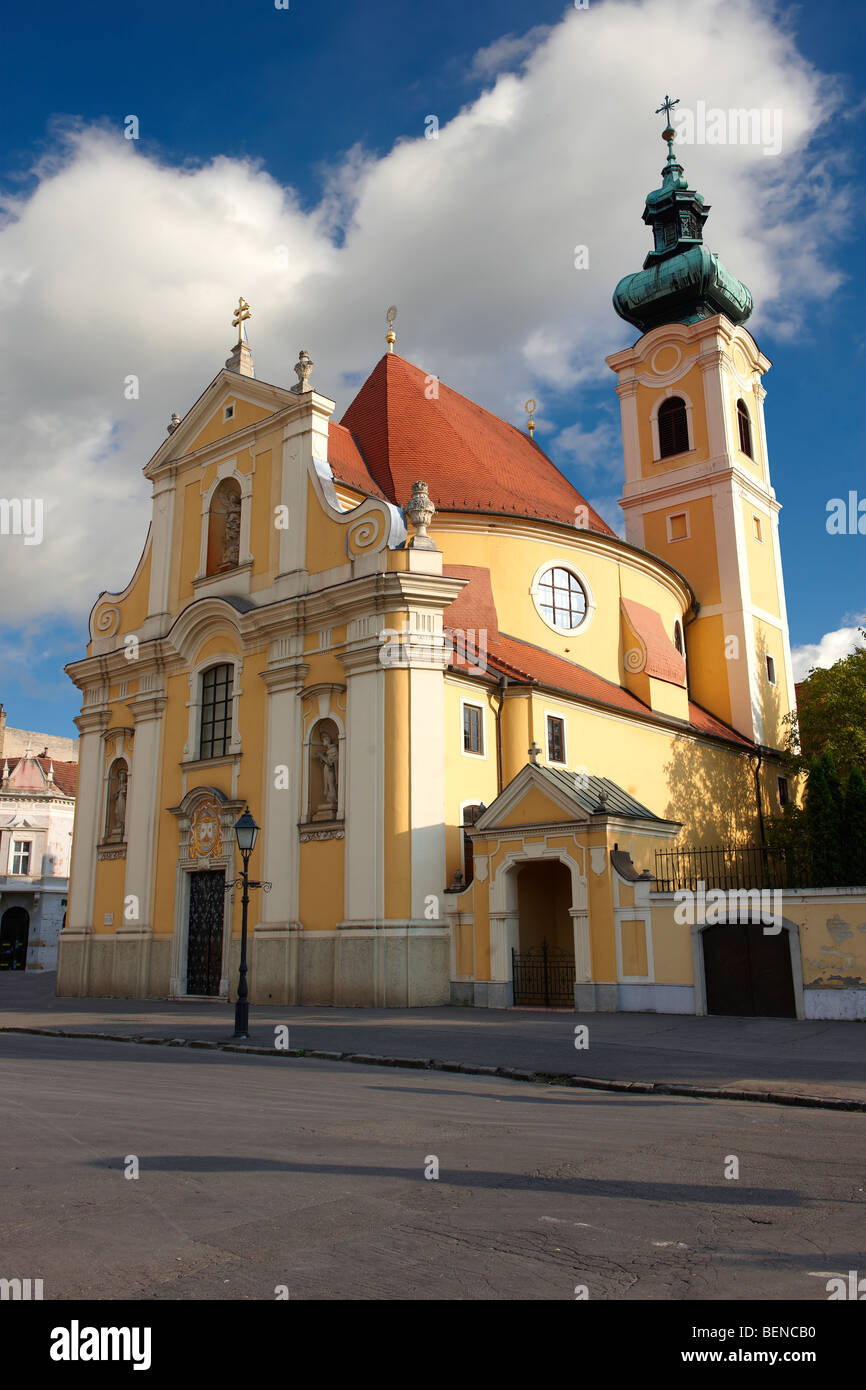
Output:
x,y
15,742
37,810
294,639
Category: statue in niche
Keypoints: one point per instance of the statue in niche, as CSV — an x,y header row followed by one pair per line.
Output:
x,y
232,540
117,781
328,760
224,528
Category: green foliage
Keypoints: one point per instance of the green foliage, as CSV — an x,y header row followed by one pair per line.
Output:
x,y
824,825
854,829
831,716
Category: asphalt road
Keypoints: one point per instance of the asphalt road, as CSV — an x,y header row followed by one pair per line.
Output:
x,y
257,1173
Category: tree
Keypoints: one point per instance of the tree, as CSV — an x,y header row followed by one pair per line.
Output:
x,y
824,824
831,715
854,829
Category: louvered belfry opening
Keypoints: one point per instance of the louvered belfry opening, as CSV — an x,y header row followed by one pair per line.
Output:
x,y
745,425
673,427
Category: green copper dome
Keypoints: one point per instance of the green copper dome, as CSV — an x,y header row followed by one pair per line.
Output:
x,y
681,281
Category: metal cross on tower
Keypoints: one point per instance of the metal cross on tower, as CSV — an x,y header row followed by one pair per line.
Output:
x,y
667,106
242,312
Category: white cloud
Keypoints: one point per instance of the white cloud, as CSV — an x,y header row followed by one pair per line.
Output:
x,y
832,647
115,264
507,52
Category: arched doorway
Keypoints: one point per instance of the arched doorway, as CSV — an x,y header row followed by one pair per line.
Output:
x,y
543,962
14,931
747,971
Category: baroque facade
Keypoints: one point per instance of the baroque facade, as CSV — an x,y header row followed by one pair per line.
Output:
x,y
466,714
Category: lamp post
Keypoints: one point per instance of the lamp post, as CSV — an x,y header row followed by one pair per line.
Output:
x,y
246,834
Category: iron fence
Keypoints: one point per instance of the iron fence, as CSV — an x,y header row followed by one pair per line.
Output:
x,y
730,866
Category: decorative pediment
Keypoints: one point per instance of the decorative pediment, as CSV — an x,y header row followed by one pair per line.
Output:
x,y
551,796
203,423
532,799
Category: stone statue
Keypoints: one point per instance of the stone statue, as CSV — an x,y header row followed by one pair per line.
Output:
x,y
118,806
328,759
232,538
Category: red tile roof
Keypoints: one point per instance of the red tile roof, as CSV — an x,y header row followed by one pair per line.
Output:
x,y
662,660
65,774
347,463
470,459
523,662
474,607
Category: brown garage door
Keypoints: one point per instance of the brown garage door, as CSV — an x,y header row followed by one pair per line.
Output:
x,y
747,972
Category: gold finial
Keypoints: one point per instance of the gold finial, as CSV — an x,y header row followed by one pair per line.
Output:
x,y
529,408
391,336
242,313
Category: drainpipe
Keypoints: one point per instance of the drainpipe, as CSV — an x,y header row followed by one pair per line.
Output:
x,y
503,686
759,799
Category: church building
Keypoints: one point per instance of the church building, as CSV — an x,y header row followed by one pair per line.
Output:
x,y
480,732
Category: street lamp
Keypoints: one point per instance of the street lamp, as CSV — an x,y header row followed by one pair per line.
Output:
x,y
246,834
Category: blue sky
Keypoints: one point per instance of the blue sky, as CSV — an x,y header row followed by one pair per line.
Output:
x,y
323,106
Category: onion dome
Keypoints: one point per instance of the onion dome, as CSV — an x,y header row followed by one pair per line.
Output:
x,y
681,281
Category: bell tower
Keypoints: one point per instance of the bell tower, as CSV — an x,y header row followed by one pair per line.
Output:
x,y
697,479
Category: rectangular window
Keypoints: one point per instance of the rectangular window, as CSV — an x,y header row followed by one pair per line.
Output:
x,y
555,739
473,729
759,530
216,711
784,798
771,670
678,526
20,856
228,412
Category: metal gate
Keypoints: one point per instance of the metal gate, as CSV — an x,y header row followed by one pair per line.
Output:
x,y
204,952
544,976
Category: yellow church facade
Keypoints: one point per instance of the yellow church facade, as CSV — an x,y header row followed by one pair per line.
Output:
x,y
469,718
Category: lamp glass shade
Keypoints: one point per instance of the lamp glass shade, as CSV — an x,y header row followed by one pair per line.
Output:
x,y
246,832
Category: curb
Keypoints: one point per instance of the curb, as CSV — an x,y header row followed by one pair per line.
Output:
x,y
650,1088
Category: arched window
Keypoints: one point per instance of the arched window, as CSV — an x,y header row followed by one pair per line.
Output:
x,y
217,688
470,815
673,427
224,527
745,426
115,802
678,638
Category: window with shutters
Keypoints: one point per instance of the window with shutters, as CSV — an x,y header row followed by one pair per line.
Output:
x,y
217,685
673,426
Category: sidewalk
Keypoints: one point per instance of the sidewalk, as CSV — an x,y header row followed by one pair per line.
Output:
x,y
818,1060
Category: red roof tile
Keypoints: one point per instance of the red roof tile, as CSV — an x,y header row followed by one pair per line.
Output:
x,y
521,661
65,774
662,660
347,463
474,606
470,459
